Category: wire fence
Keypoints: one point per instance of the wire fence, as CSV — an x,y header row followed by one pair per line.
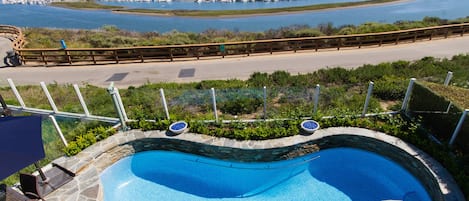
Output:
x,y
69,105
444,118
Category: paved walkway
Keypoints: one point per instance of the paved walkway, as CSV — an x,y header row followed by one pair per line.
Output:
x,y
5,45
235,67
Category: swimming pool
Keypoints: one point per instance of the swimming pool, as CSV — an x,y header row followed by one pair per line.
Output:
x,y
332,174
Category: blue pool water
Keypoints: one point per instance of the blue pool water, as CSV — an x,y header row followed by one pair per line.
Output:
x,y
335,174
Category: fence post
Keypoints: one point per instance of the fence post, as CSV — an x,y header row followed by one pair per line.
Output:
x,y
165,105
449,107
265,102
214,102
112,92
82,101
49,97
458,127
121,105
408,94
368,96
17,94
316,98
59,131
448,78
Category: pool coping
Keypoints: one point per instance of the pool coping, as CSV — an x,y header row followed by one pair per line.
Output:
x,y
89,163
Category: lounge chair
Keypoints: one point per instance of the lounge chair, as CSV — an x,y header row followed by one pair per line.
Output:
x,y
9,194
2,192
5,111
29,186
34,187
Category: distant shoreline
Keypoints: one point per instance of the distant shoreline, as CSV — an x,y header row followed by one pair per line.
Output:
x,y
228,13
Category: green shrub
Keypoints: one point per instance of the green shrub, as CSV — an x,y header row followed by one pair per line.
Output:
x,y
72,149
248,131
280,78
373,27
241,105
307,33
86,140
333,75
101,132
393,125
390,88
150,125
259,79
83,141
221,84
111,36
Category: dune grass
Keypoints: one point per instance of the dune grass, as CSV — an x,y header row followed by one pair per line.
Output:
x,y
85,5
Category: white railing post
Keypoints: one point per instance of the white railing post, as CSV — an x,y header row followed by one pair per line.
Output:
x,y
165,105
82,101
458,127
59,131
265,102
214,102
121,105
448,78
112,92
408,93
17,94
367,100
449,107
49,97
316,98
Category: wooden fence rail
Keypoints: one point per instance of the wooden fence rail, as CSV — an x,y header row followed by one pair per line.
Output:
x,y
84,56
14,34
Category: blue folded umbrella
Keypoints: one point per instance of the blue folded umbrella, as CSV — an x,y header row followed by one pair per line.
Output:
x,y
20,143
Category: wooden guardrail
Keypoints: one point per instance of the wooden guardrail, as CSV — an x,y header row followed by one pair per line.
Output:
x,y
83,56
14,34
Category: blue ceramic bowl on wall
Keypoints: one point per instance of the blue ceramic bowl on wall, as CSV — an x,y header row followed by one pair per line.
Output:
x,y
178,127
309,126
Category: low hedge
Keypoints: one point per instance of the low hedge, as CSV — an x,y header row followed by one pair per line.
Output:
x,y
89,138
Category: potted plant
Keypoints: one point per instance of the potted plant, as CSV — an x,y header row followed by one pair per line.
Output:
x,y
178,127
309,126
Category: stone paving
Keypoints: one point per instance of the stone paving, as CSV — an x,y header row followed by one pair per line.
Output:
x,y
89,163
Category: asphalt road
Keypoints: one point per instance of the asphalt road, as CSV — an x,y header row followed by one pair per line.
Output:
x,y
136,74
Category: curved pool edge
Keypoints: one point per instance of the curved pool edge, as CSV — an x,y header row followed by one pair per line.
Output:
x,y
89,163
